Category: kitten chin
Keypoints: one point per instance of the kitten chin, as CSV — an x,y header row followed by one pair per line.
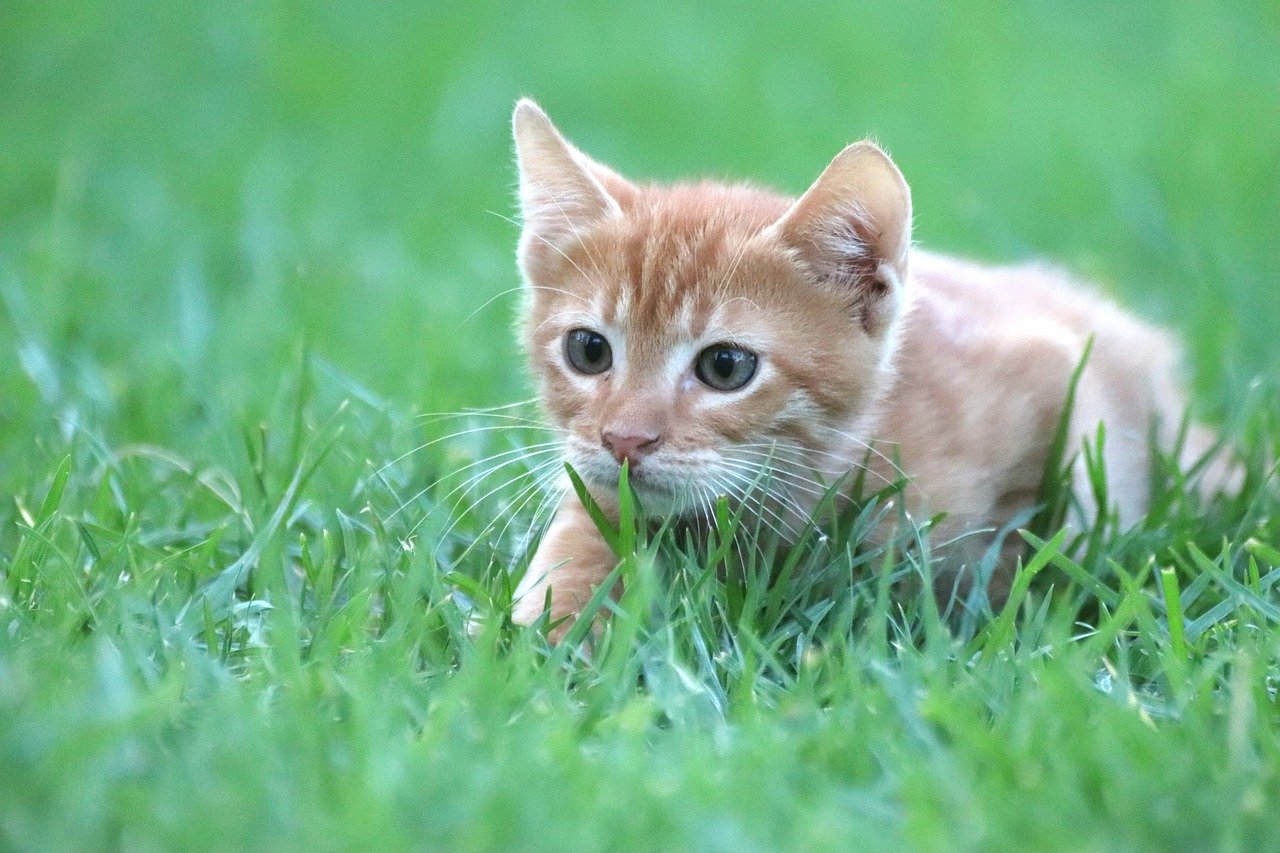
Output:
x,y
725,340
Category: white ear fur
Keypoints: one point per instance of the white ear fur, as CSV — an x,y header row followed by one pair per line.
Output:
x,y
853,226
559,194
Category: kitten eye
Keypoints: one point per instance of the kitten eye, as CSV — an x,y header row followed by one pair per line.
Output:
x,y
724,367
588,351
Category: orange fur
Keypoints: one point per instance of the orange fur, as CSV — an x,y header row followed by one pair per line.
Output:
x,y
958,370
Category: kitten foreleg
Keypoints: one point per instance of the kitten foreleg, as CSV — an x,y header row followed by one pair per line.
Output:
x,y
572,560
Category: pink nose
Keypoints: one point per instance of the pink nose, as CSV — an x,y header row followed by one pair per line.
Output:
x,y
630,448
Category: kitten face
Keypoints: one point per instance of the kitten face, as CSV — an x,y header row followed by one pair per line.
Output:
x,y
706,333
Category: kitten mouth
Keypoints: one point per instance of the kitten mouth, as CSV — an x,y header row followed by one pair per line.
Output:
x,y
646,481
641,479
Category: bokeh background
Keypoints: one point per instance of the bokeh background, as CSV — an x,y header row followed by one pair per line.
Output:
x,y
191,194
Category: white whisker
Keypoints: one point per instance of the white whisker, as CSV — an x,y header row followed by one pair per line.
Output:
x,y
465,432
750,493
531,472
480,477
758,478
555,248
847,465
791,477
865,445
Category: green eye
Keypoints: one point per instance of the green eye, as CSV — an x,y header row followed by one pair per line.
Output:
x,y
724,367
588,351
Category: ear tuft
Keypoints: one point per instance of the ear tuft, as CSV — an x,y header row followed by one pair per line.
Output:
x,y
560,196
853,226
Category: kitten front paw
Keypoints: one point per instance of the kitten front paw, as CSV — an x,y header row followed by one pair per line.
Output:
x,y
528,611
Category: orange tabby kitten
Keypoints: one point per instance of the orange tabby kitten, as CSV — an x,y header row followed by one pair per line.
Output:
x,y
706,333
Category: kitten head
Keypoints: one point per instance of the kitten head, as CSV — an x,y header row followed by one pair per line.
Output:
x,y
706,332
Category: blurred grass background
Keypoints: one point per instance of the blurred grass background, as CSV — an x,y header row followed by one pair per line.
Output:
x,y
189,192
194,195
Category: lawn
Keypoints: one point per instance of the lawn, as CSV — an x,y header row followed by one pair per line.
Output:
x,y
252,255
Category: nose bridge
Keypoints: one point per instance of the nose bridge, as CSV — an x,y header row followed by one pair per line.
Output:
x,y
634,427
637,406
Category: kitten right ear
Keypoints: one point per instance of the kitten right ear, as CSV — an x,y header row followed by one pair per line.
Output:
x,y
562,191
853,228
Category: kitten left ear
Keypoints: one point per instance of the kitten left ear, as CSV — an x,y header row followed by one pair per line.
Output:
x,y
853,226
562,191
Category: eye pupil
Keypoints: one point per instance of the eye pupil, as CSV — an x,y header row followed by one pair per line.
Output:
x,y
725,361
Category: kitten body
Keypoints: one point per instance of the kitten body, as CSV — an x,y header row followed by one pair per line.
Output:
x,y
646,305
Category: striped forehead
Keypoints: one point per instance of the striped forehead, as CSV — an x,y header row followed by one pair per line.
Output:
x,y
666,285
680,315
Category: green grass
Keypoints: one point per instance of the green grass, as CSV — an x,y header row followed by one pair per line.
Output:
x,y
244,246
